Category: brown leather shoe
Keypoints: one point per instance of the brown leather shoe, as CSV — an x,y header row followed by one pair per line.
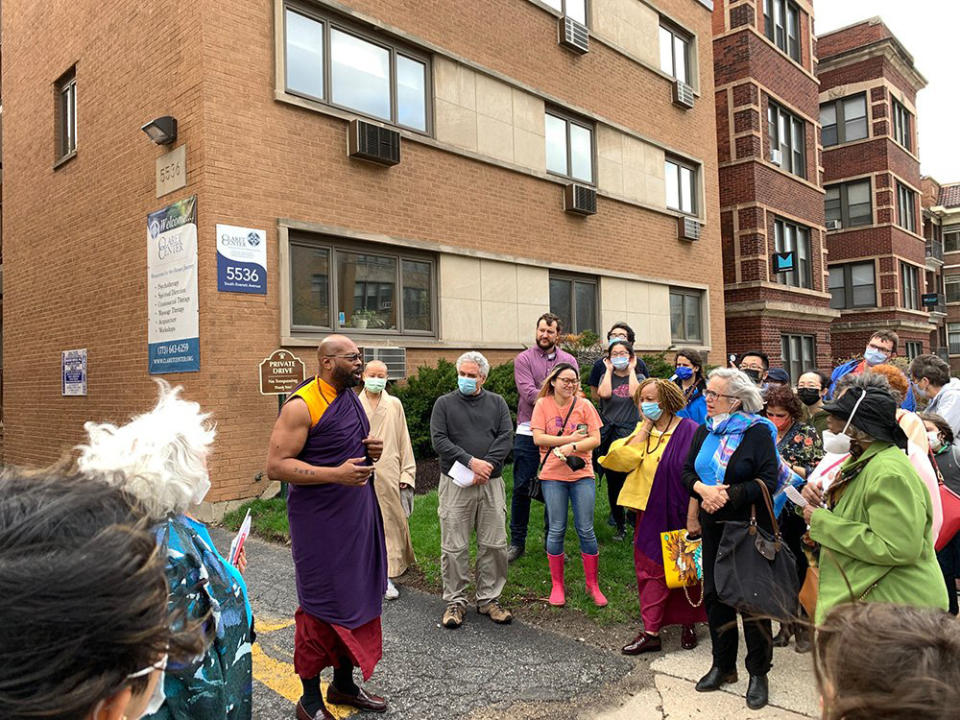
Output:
x,y
688,637
362,700
322,713
642,643
495,612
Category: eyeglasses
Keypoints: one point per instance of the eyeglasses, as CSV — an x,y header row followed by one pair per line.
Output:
x,y
568,381
352,358
874,346
711,395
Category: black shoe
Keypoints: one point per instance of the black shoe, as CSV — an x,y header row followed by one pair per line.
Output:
x,y
757,692
715,678
782,638
803,639
514,552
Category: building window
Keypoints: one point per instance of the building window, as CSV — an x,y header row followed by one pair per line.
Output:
x,y
337,64
951,286
364,288
569,147
675,53
573,9
913,349
787,140
852,285
686,318
66,114
951,242
799,354
573,298
789,237
781,23
849,203
910,286
901,125
953,338
681,184
906,208
844,120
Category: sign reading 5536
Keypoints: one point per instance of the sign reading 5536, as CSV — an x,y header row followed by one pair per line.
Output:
x,y
241,260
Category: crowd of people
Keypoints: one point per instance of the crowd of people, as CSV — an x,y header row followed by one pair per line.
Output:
x,y
131,610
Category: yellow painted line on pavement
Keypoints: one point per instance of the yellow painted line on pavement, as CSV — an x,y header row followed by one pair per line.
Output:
x,y
280,676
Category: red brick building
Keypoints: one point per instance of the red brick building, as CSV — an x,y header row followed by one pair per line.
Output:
x,y
878,260
941,229
771,199
281,106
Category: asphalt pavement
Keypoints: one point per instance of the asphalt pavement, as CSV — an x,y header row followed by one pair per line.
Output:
x,y
484,671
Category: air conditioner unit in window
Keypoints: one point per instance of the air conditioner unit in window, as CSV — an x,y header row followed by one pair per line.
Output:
x,y
573,35
682,94
395,358
373,143
834,225
776,157
688,228
580,199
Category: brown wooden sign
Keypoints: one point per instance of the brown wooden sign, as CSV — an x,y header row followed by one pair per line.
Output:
x,y
280,373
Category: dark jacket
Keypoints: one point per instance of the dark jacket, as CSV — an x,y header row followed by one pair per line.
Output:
x,y
462,428
755,458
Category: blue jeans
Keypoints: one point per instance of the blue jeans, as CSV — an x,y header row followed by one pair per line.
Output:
x,y
582,494
526,460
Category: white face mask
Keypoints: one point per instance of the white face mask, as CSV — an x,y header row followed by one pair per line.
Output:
x,y
933,437
159,696
201,491
839,443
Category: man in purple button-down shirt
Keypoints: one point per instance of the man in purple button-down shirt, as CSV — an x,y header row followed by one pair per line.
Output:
x,y
531,368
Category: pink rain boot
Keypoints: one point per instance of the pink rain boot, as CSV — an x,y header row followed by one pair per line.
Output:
x,y
590,575
557,596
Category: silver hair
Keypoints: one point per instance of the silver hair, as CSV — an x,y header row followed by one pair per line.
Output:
x,y
741,387
159,457
475,357
866,380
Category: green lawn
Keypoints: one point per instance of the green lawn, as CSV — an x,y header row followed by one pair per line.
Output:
x,y
528,580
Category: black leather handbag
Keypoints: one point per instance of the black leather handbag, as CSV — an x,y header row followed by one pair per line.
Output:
x,y
755,571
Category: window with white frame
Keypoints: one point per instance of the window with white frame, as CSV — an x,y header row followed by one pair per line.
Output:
x,y
569,146
335,63
910,286
573,298
66,114
906,208
913,348
787,139
849,203
781,23
844,120
339,284
681,185
686,315
951,242
953,338
852,285
675,52
791,237
901,125
573,9
799,353
951,287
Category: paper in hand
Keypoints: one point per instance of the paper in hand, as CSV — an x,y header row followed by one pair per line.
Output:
x,y
237,545
461,475
795,497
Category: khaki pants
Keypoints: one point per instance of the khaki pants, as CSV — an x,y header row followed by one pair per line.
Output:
x,y
462,510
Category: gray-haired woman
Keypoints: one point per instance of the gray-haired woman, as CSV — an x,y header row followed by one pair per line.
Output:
x,y
733,448
160,458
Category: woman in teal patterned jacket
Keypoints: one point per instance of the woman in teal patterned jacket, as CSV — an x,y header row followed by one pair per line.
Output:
x,y
160,458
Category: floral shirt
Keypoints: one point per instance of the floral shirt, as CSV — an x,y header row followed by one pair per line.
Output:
x,y
801,445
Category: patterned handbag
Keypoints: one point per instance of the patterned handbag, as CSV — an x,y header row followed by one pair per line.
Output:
x,y
682,562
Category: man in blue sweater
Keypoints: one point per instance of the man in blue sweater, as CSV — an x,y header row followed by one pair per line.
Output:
x,y
881,348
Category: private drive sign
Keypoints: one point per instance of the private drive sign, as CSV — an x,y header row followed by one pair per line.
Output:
x,y
281,373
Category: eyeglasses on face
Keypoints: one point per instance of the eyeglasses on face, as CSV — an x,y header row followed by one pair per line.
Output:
x,y
352,357
711,395
567,381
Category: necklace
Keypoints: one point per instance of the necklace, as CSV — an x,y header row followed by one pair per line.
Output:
x,y
659,439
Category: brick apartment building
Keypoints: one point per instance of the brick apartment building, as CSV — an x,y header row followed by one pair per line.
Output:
x,y
941,229
771,198
462,244
878,262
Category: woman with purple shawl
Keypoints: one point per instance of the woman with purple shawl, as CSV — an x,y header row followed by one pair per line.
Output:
x,y
654,455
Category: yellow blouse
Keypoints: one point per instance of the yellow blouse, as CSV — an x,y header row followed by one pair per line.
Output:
x,y
640,464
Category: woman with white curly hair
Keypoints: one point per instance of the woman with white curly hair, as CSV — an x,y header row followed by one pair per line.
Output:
x,y
160,458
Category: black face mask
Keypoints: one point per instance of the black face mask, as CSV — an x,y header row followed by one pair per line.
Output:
x,y
808,396
753,375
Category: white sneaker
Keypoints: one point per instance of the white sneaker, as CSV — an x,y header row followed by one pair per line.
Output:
x,y
392,593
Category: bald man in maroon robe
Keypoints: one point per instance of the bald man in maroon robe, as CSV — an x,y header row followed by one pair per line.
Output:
x,y
321,447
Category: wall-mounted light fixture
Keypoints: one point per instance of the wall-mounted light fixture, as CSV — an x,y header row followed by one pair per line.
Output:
x,y
162,130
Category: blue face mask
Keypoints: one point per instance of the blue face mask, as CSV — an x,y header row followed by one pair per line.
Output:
x,y
874,357
651,410
612,340
683,372
468,386
620,363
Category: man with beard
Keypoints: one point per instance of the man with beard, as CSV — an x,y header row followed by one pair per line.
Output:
x,y
321,446
530,368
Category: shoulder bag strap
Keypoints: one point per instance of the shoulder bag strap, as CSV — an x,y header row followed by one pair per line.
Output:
x,y
767,501
569,413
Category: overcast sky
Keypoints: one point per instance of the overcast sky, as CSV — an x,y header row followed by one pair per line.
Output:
x,y
929,31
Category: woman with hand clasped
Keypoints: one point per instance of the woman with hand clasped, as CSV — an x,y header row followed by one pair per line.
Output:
x,y
654,455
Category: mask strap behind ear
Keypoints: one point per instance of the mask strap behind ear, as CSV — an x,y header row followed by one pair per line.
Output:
x,y
863,394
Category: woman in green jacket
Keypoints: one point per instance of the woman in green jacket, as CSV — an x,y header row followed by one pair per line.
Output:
x,y
875,526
